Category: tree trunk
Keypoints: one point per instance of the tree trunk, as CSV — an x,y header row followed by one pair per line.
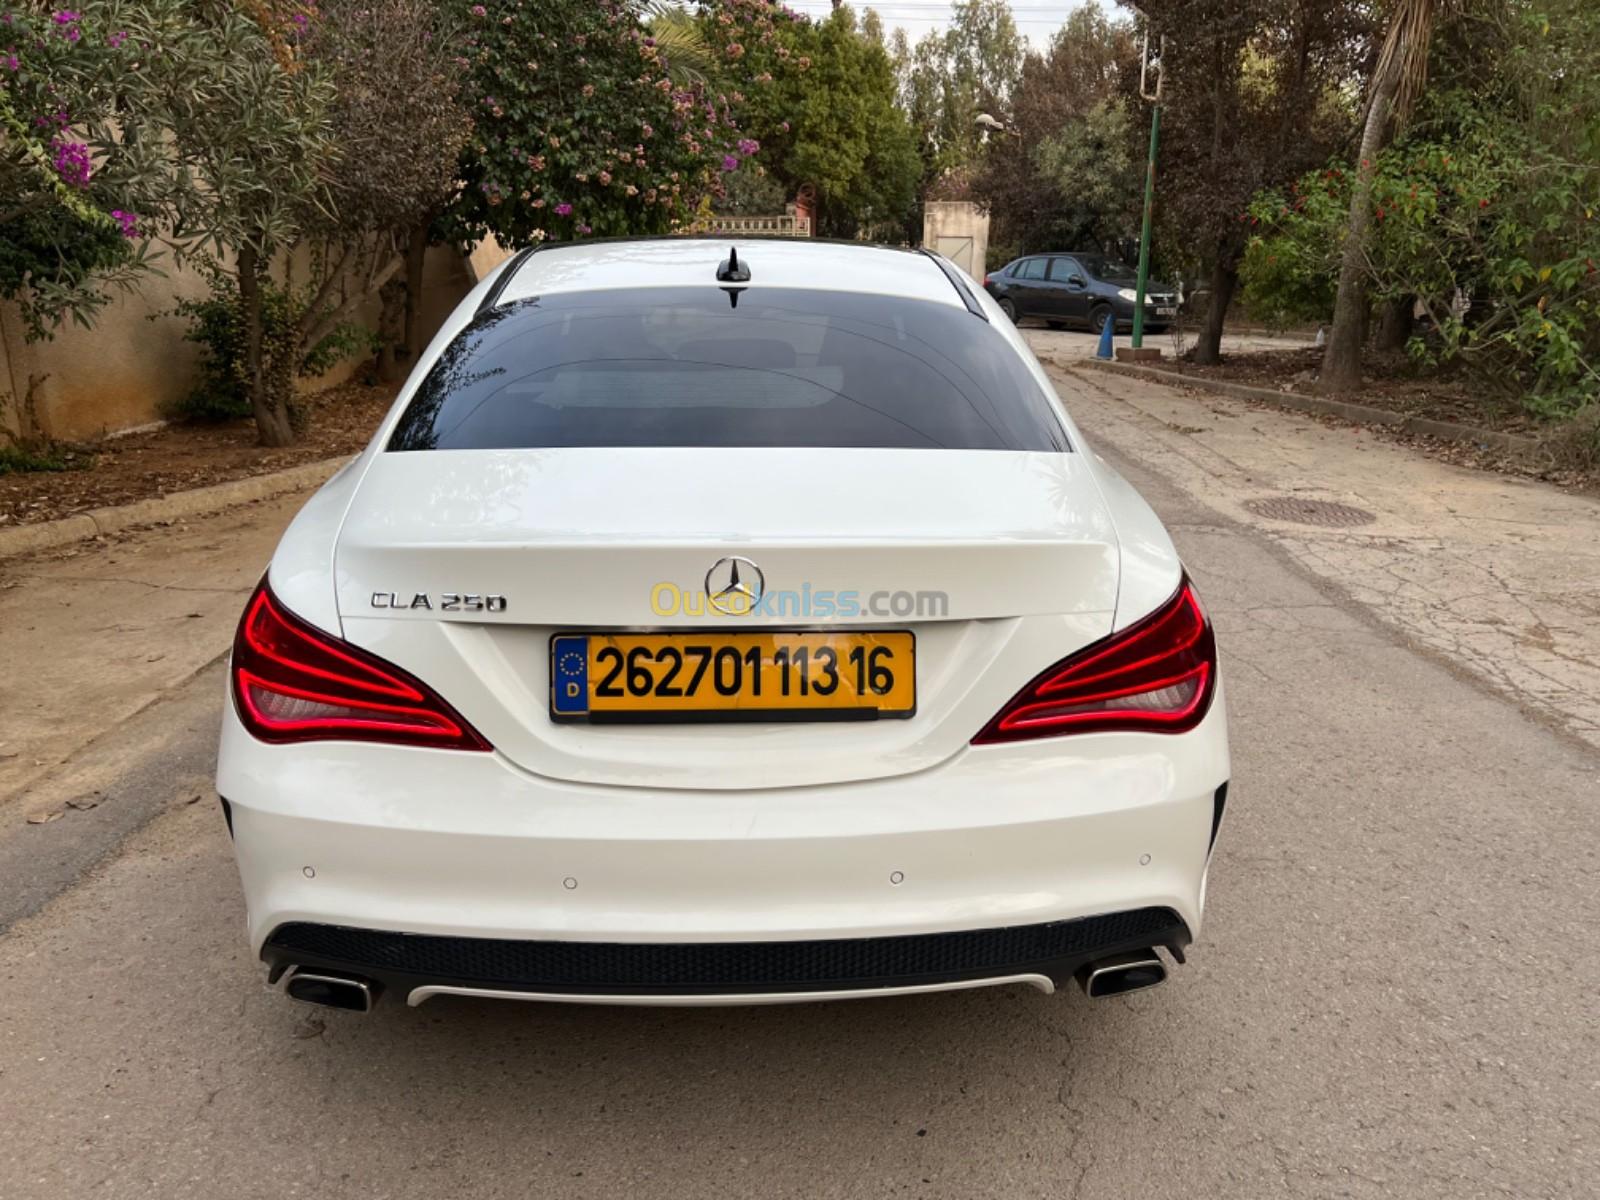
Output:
x,y
272,416
1341,361
416,256
391,330
1224,278
1394,325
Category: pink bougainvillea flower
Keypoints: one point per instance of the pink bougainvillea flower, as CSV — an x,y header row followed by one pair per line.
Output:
x,y
127,222
71,161
730,162
563,210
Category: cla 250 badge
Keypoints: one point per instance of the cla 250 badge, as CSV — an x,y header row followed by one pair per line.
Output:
x,y
447,602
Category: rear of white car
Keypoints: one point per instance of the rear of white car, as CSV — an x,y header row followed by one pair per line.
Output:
x,y
706,632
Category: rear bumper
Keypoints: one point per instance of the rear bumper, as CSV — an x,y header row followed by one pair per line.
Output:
x,y
436,869
418,966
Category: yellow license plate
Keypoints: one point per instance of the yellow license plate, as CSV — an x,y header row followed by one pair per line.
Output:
x,y
732,676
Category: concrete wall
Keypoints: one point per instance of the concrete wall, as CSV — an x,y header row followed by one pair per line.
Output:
x,y
958,230
134,364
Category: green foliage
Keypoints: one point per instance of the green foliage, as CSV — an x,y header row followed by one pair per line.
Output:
x,y
819,101
84,173
1290,271
1069,172
581,127
1493,197
952,75
1255,95
22,459
217,325
752,189
254,139
319,135
1091,166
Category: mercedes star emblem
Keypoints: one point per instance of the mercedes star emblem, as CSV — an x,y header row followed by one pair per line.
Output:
x,y
734,586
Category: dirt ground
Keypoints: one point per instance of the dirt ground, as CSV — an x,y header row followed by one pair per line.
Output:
x,y
137,467
1390,383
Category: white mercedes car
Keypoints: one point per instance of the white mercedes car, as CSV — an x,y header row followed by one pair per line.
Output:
x,y
712,624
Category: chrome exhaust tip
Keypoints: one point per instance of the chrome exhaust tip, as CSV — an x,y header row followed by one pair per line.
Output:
x,y
1121,974
332,991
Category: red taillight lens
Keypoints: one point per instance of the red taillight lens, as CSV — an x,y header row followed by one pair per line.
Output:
x,y
294,683
1158,676
985,281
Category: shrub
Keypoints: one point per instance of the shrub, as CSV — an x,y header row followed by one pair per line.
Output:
x,y
218,327
580,126
24,458
85,170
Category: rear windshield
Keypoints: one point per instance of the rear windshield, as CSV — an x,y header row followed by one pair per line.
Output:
x,y
1108,269
689,367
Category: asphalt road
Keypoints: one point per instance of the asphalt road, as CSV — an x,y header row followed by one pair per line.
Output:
x,y
1394,995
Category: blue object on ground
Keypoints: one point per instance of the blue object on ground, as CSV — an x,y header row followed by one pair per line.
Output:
x,y
1106,335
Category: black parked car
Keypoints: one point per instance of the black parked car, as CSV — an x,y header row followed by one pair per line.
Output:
x,y
1079,289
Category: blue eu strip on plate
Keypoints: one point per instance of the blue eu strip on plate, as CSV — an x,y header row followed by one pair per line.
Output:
x,y
569,675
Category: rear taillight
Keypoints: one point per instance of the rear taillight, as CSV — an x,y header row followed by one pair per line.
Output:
x,y
1157,675
985,281
294,683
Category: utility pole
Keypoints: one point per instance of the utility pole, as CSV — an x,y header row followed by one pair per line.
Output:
x,y
1154,97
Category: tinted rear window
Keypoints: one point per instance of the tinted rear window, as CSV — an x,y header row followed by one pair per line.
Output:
x,y
1110,270
686,367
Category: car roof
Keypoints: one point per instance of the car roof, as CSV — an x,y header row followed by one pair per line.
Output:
x,y
686,261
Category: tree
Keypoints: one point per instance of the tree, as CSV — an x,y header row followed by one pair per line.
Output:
x,y
1092,169
1069,172
1397,80
583,127
399,124
972,67
303,165
819,100
1255,96
84,172
1483,211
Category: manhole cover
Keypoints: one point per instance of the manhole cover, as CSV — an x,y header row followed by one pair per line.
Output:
x,y
1309,512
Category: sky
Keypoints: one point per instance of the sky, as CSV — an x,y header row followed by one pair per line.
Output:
x,y
1036,19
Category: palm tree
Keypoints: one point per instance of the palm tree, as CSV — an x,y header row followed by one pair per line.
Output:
x,y
689,56
1397,82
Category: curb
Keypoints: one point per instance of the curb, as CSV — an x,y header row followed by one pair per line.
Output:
x,y
1360,414
196,502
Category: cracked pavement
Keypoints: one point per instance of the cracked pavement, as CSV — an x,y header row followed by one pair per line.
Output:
x,y
1390,997
1498,575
